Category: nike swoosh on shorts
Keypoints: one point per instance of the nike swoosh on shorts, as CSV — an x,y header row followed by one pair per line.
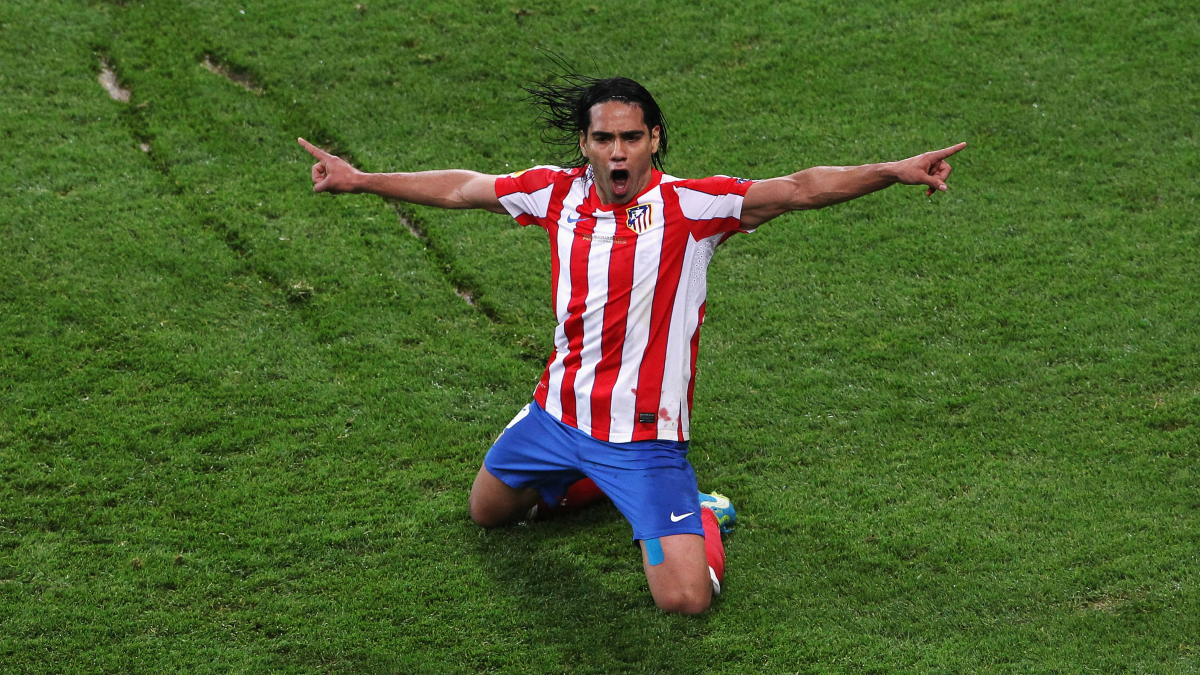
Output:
x,y
676,519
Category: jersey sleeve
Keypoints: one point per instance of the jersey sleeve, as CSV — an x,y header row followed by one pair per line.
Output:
x,y
713,205
526,194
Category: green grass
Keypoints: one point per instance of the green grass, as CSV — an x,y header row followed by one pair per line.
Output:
x,y
962,433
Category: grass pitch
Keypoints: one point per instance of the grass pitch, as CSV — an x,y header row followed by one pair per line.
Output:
x,y
238,422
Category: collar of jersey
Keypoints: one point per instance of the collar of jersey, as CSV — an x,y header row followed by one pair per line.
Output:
x,y
592,204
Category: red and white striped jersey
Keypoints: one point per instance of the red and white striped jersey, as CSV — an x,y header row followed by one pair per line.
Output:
x,y
629,285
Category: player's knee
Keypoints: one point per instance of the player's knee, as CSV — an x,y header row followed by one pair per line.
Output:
x,y
481,519
684,602
486,518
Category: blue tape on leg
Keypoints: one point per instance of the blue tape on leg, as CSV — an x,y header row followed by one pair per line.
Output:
x,y
654,554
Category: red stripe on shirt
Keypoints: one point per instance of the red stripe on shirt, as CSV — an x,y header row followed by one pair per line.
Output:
x,y
527,181
703,229
717,186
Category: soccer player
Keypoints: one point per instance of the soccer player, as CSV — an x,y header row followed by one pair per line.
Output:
x,y
629,252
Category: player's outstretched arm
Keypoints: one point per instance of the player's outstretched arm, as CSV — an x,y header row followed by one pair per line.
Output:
x,y
452,189
823,186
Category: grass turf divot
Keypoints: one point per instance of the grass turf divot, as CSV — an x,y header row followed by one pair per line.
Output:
x,y
410,224
108,80
243,80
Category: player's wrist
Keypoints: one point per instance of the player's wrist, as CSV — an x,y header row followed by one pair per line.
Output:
x,y
362,182
888,171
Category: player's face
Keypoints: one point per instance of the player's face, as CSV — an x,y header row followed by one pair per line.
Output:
x,y
620,148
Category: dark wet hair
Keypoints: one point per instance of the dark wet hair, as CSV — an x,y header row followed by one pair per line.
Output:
x,y
565,103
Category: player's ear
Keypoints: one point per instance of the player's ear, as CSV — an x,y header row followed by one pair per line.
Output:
x,y
654,134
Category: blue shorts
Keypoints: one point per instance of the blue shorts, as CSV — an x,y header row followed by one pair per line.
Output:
x,y
651,482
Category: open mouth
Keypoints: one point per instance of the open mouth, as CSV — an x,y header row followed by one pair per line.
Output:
x,y
620,181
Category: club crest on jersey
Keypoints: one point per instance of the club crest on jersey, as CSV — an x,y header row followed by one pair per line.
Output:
x,y
639,218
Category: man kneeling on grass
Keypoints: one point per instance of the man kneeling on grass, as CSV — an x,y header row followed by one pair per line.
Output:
x,y
629,252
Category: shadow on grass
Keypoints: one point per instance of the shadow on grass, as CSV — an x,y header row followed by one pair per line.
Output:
x,y
584,594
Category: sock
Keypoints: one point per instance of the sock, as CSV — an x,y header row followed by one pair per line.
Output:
x,y
714,549
581,493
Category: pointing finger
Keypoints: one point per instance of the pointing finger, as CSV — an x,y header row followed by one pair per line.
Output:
x,y
312,149
946,152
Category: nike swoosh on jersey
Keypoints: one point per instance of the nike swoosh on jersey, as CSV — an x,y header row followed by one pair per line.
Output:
x,y
676,519
575,220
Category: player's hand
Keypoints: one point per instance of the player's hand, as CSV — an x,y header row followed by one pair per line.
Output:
x,y
331,173
930,168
